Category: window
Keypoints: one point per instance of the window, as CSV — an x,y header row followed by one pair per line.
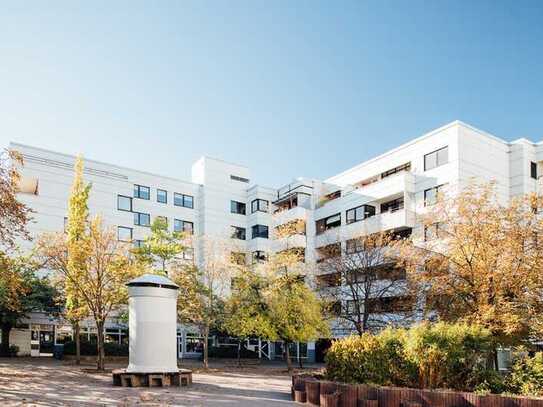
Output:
x,y
328,223
533,170
161,196
359,213
124,203
142,219
259,231
431,195
138,243
183,226
392,206
259,256
240,179
328,252
259,205
237,258
188,253
354,245
436,158
124,234
186,201
395,170
163,219
328,280
238,233
433,231
65,224
237,207
142,192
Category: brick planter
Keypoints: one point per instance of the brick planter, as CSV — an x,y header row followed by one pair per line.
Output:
x,y
327,394
300,396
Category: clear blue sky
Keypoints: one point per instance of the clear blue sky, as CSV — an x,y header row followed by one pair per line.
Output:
x,y
288,88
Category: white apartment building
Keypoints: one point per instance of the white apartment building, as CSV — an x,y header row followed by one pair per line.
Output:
x,y
384,193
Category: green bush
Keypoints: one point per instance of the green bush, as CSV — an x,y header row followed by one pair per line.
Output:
x,y
527,375
13,350
372,359
89,348
426,355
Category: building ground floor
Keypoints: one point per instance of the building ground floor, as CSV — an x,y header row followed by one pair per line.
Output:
x,y
39,334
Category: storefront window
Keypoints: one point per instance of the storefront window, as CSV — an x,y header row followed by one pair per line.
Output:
x,y
194,343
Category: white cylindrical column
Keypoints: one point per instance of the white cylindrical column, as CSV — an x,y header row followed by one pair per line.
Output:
x,y
152,324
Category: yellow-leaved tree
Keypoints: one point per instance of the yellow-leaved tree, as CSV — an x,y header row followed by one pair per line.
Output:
x,y
481,261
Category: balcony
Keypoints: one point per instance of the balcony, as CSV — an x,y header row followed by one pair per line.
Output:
x,y
285,216
289,242
402,218
402,182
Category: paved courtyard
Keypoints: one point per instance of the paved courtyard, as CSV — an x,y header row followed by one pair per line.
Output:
x,y
46,382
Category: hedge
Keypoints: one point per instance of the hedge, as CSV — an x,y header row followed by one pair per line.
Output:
x,y
89,348
231,352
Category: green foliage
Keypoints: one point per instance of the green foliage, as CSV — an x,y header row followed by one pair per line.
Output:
x,y
426,356
161,247
13,350
527,375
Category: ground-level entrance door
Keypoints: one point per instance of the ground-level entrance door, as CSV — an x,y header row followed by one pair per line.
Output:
x,y
42,340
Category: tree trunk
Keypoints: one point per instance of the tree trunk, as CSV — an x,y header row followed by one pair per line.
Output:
x,y
287,357
239,352
6,329
100,354
77,333
206,348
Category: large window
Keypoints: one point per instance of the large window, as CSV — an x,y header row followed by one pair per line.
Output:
x,y
431,194
533,170
436,158
183,226
259,231
142,219
359,213
259,205
238,233
395,170
237,207
161,196
328,223
434,231
392,206
124,234
142,192
186,201
124,203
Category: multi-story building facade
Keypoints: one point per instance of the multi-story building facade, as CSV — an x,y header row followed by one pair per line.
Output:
x,y
382,194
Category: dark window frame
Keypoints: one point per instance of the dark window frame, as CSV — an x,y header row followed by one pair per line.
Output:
x,y
259,256
533,170
258,202
158,191
184,199
366,214
125,228
137,215
322,224
437,189
434,156
183,223
238,208
138,192
260,231
393,205
238,229
126,197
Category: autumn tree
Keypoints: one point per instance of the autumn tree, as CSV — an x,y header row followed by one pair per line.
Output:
x,y
363,284
161,248
77,251
481,261
14,215
21,292
203,304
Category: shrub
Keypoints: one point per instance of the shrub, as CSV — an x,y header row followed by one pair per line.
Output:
x,y
426,355
447,355
527,375
369,359
89,348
